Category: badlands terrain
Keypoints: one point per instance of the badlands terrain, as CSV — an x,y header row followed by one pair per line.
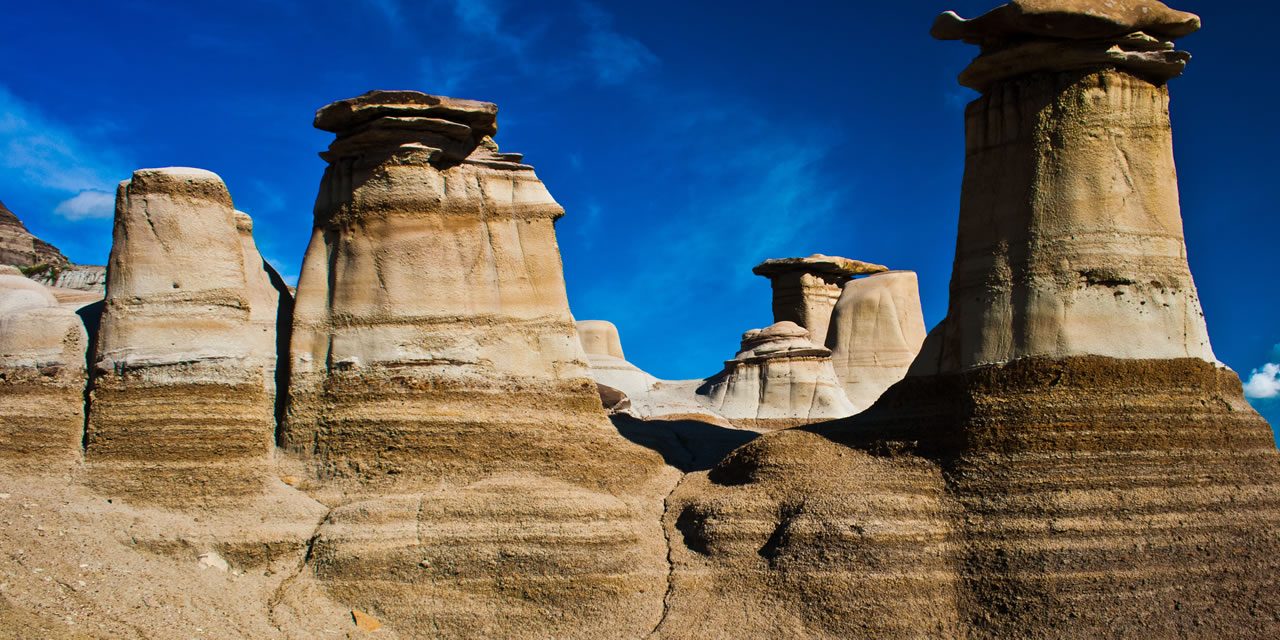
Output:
x,y
420,440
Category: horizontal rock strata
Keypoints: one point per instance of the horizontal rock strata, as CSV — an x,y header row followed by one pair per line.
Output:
x,y
182,405
42,378
440,392
779,379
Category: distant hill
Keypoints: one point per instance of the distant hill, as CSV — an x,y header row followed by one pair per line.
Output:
x,y
42,261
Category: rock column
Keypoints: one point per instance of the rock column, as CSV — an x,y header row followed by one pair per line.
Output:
x,y
438,384
182,407
805,290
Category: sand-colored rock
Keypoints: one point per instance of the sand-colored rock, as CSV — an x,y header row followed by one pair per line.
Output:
x,y
1070,229
20,248
1046,491
441,396
42,378
805,290
779,379
182,407
876,332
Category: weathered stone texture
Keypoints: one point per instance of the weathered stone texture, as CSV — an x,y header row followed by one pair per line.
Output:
x,y
438,386
182,405
42,378
877,329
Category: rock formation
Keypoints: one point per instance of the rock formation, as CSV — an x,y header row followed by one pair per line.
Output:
x,y
19,248
1065,459
779,379
876,332
42,261
42,378
805,290
182,407
439,392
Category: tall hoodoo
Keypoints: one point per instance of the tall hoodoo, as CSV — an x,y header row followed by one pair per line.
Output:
x,y
1065,455
433,277
182,404
1070,231
805,290
439,386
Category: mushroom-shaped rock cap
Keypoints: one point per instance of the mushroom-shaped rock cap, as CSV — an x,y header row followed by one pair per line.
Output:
x,y
1068,20
345,115
818,263
784,339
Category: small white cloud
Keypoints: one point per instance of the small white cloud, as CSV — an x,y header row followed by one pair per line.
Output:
x,y
1264,384
87,205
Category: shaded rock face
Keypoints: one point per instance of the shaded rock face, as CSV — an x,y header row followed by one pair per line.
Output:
x,y
1066,458
182,406
42,378
877,329
440,395
779,379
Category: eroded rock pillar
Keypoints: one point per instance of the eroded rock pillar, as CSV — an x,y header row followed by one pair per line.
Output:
x,y
805,290
182,407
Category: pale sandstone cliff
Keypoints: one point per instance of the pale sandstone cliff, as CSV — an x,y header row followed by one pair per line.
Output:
x,y
876,332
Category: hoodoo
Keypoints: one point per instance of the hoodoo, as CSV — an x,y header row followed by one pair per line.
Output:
x,y
440,395
805,290
182,404
876,332
1066,458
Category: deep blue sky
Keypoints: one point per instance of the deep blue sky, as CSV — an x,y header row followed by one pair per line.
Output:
x,y
688,140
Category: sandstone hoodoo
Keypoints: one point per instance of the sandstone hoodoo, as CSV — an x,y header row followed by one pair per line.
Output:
x,y
876,332
440,393
805,290
1065,454
182,405
427,445
779,379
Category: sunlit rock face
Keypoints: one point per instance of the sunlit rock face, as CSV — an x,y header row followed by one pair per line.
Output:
x,y
1065,457
876,332
441,397
42,378
1070,229
182,405
779,379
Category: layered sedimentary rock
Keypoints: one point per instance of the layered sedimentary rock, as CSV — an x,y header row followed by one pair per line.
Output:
x,y
42,378
876,332
439,392
182,407
805,290
19,248
1066,453
779,379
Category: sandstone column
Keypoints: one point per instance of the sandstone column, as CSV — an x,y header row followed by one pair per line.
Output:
x,y
439,390
1070,230
42,378
805,290
1065,457
182,405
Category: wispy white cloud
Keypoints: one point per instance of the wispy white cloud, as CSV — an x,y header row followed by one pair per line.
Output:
x,y
87,205
614,57
43,154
